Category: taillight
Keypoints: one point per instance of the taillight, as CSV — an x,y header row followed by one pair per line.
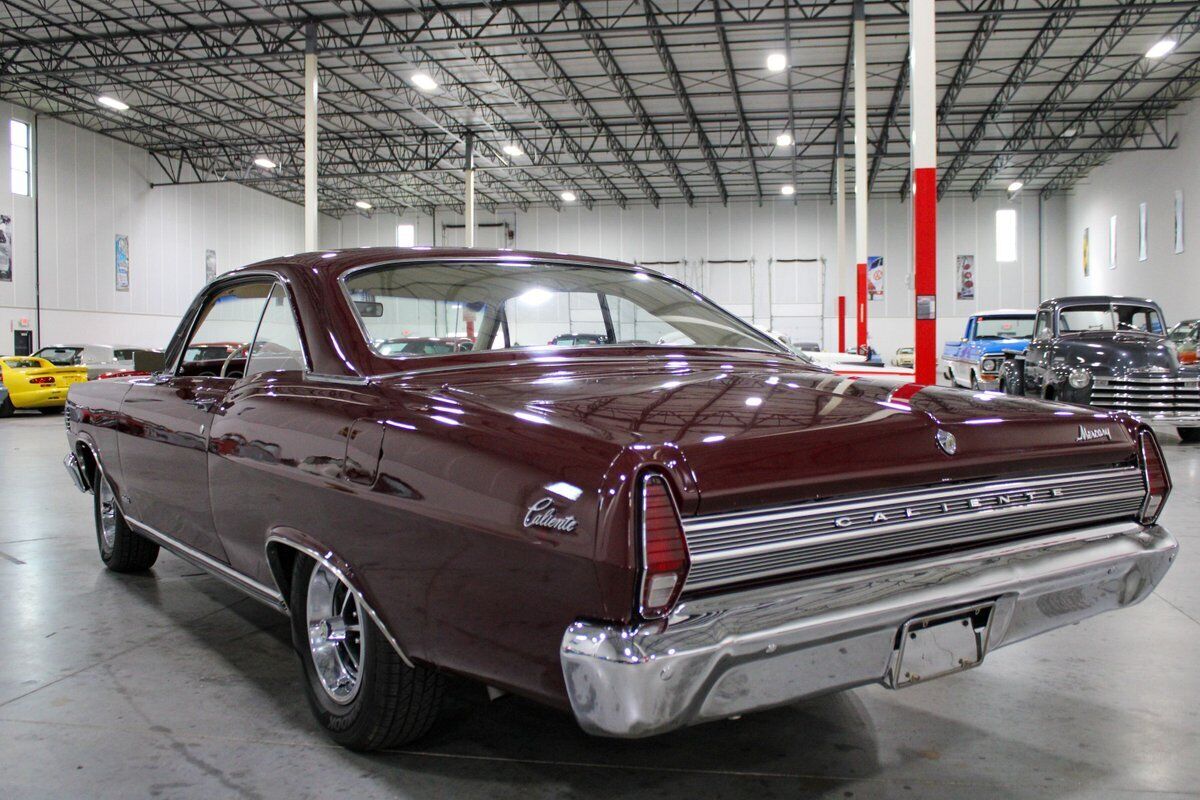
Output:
x,y
665,560
1158,480
46,381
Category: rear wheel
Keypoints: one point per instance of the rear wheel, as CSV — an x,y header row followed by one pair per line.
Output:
x,y
121,549
51,410
6,407
1189,435
360,690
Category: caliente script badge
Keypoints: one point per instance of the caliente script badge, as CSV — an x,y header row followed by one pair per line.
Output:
x,y
543,514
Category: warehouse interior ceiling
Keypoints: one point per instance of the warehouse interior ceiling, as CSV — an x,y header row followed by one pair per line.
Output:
x,y
626,102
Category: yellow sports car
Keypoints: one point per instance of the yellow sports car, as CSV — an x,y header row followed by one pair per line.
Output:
x,y
28,382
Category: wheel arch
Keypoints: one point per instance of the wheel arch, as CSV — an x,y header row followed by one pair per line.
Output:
x,y
285,545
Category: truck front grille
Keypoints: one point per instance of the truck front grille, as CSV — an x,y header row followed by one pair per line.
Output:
x,y
1148,396
749,545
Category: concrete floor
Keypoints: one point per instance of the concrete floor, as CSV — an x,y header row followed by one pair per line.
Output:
x,y
172,684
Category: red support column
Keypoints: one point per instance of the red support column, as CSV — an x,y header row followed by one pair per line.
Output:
x,y
861,310
841,323
923,138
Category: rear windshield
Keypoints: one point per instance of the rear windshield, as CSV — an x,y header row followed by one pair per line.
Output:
x,y
60,356
1109,317
1004,328
22,363
531,304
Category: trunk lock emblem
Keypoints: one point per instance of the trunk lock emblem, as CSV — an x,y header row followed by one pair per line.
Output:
x,y
946,441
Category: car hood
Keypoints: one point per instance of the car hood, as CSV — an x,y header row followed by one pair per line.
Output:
x,y
1000,345
1117,353
751,431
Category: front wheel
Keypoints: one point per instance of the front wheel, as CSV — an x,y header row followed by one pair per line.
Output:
x,y
975,385
360,690
1189,435
121,549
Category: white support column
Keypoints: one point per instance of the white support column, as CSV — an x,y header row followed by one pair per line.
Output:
x,y
860,170
469,201
923,143
840,252
310,140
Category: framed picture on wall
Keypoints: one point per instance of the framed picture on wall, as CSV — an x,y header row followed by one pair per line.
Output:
x,y
6,257
122,262
1112,242
1143,247
874,277
1178,220
966,277
1086,265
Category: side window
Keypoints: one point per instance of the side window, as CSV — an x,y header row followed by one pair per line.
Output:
x,y
224,330
277,345
1042,330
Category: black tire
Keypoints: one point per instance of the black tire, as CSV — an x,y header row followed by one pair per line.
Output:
x,y
129,551
395,704
1189,435
975,386
6,407
52,410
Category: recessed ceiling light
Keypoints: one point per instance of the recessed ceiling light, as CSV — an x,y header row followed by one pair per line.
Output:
x,y
512,150
1161,48
423,82
363,204
265,163
783,140
568,196
777,62
1070,133
112,102
787,190
1015,187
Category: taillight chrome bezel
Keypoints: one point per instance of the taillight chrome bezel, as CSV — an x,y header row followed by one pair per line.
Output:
x,y
645,480
1148,448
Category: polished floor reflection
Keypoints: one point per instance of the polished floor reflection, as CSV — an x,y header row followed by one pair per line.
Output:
x,y
172,684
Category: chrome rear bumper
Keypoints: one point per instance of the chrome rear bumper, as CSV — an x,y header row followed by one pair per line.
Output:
x,y
728,654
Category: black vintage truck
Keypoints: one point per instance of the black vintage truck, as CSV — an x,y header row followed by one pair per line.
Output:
x,y
1111,352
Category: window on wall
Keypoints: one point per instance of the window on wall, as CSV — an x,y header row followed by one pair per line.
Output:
x,y
406,235
19,151
1006,235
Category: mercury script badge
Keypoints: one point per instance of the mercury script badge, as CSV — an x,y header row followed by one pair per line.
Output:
x,y
543,514
946,441
1087,434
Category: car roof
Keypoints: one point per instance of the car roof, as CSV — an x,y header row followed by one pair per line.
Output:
x,y
1094,299
1007,312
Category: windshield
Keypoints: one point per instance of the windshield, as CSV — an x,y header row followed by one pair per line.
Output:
x,y
1003,327
522,304
60,356
1110,317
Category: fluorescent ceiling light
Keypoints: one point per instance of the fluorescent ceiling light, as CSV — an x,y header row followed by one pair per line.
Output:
x,y
112,102
1015,187
787,190
1070,133
512,150
783,140
1161,48
363,204
568,196
777,62
265,163
423,82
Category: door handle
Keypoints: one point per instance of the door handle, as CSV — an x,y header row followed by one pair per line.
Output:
x,y
202,403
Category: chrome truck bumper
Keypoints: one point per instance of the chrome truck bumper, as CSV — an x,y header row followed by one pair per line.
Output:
x,y
728,654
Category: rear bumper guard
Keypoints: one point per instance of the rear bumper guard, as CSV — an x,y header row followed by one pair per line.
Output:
x,y
728,654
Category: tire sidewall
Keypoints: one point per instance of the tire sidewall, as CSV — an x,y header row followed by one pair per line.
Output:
x,y
106,554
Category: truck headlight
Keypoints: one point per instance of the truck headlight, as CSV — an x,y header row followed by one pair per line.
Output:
x,y
990,364
1079,378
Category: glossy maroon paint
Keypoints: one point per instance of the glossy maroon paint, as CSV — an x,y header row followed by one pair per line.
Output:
x,y
416,473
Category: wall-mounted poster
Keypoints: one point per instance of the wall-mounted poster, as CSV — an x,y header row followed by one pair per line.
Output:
x,y
1086,254
874,277
966,277
210,265
5,248
1178,220
1112,242
122,261
1143,246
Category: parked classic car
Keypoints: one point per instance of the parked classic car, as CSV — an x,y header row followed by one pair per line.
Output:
x,y
1186,338
647,536
424,345
35,383
100,358
1109,352
904,357
975,360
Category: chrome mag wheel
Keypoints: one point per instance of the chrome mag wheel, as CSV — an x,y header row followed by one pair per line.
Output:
x,y
108,514
335,638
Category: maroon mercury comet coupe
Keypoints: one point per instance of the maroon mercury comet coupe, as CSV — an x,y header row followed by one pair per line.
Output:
x,y
649,536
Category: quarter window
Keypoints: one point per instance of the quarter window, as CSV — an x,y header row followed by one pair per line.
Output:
x,y
226,327
277,345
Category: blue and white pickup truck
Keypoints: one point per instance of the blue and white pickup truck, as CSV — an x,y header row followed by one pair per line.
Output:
x,y
974,361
